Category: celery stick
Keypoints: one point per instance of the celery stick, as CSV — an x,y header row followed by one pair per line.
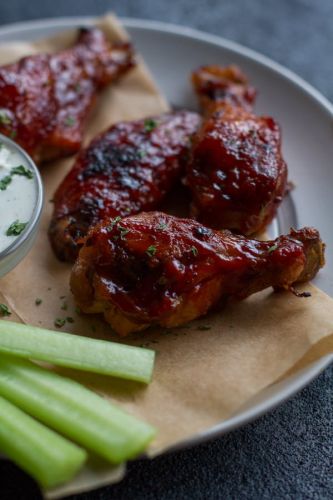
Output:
x,y
73,410
82,353
46,456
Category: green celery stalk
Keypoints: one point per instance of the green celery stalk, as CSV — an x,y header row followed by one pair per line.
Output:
x,y
82,353
46,456
73,410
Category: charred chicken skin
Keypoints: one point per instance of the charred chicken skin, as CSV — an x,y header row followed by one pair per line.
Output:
x,y
45,98
157,269
127,169
236,173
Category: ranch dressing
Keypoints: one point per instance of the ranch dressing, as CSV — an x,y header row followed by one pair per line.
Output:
x,y
17,195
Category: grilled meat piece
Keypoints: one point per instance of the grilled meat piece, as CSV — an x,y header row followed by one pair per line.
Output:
x,y
215,84
236,173
45,98
127,169
157,269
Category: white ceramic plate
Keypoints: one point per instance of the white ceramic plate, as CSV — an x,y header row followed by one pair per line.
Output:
x,y
306,118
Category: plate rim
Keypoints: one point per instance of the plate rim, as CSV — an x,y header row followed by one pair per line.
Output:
x,y
307,375
185,31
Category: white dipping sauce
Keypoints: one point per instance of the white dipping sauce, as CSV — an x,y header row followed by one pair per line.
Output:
x,y
18,197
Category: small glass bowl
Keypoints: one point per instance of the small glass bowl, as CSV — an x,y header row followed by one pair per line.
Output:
x,y
17,250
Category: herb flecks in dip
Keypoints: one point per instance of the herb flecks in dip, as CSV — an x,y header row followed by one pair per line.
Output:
x,y
17,195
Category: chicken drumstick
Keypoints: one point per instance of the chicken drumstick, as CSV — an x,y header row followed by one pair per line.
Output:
x,y
157,269
45,98
236,172
127,169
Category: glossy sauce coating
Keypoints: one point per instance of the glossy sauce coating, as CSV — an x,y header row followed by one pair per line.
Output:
x,y
154,268
236,173
226,85
45,98
127,169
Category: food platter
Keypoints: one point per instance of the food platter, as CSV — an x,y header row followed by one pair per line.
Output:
x,y
305,116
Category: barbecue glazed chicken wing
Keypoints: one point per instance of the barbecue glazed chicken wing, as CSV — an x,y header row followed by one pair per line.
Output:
x,y
127,169
45,98
236,173
157,269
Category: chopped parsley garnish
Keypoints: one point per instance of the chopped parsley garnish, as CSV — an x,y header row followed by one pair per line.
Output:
x,y
59,322
78,310
13,134
113,223
195,251
204,327
38,301
69,121
141,153
5,181
21,170
64,306
150,125
4,310
4,117
161,226
151,250
123,232
272,248
16,228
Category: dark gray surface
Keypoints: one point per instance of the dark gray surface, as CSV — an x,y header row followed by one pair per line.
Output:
x,y
287,454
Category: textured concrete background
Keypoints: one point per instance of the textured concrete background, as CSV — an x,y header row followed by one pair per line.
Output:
x,y
287,454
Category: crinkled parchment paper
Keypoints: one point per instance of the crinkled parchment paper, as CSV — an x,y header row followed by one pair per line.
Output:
x,y
205,371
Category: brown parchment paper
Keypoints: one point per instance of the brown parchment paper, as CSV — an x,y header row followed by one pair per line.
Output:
x,y
204,371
